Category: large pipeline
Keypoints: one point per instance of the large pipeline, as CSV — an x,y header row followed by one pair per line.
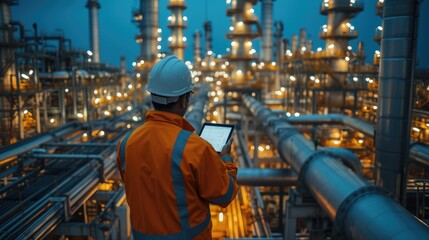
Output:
x,y
419,153
359,209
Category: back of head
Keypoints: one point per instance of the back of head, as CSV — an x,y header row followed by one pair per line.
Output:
x,y
169,79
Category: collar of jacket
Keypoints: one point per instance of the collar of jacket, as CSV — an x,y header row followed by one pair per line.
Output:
x,y
171,118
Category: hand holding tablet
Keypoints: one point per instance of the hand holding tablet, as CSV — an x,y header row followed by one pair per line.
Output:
x,y
216,134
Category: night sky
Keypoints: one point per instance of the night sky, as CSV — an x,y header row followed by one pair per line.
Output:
x,y
117,32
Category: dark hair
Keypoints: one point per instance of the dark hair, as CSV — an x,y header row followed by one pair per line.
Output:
x,y
169,106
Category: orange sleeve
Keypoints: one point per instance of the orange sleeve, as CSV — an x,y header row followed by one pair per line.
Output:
x,y
118,159
217,178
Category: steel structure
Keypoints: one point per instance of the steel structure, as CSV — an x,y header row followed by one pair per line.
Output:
x,y
177,23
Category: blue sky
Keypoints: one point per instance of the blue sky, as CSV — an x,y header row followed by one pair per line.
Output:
x,y
117,31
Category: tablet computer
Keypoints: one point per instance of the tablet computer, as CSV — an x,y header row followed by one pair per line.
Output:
x,y
216,134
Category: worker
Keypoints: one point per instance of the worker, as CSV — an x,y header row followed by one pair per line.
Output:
x,y
170,174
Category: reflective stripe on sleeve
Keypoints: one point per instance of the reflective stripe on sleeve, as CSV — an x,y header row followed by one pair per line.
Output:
x,y
178,181
122,149
228,195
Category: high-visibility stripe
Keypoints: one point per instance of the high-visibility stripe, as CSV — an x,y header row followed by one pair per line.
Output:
x,y
228,195
122,149
178,181
182,205
184,234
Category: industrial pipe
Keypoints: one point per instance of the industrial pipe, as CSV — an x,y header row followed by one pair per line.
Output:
x,y
11,151
418,152
149,29
349,200
266,177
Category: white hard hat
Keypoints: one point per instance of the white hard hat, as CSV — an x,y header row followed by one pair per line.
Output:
x,y
169,79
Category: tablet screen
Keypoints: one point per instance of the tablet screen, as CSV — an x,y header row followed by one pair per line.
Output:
x,y
216,134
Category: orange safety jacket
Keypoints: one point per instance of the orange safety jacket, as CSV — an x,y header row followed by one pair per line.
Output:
x,y
171,175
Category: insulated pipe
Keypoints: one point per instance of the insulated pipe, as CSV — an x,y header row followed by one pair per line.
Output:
x,y
267,28
266,177
149,29
365,128
23,146
350,201
418,152
348,158
398,46
93,6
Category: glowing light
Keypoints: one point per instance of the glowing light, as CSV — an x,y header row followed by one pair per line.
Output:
x,y
159,39
249,43
215,113
101,133
79,115
184,39
233,43
134,64
221,213
360,141
66,90
253,64
118,94
25,111
273,63
107,113
374,107
319,49
288,114
129,108
355,79
169,18
380,28
292,78
119,108
138,75
349,47
209,52
52,120
89,53
159,30
337,142
416,129
296,114
228,1
30,72
261,149
347,58
239,72
303,49
282,89
331,46
231,28
267,147
25,76
109,97
85,135
97,100
240,23
130,86
312,78
170,39
185,18
159,47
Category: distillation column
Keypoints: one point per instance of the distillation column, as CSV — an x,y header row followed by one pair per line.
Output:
x,y
197,47
147,19
395,91
8,77
241,34
93,6
177,23
267,28
338,32
208,36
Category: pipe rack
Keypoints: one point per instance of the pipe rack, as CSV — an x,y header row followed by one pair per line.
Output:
x,y
359,210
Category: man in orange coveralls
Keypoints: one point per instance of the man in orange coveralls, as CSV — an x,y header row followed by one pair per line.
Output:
x,y
171,175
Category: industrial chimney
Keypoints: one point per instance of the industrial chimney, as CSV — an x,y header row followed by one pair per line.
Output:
x,y
197,46
177,23
208,35
267,28
93,6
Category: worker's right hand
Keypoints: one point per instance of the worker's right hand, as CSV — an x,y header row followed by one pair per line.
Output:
x,y
226,150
